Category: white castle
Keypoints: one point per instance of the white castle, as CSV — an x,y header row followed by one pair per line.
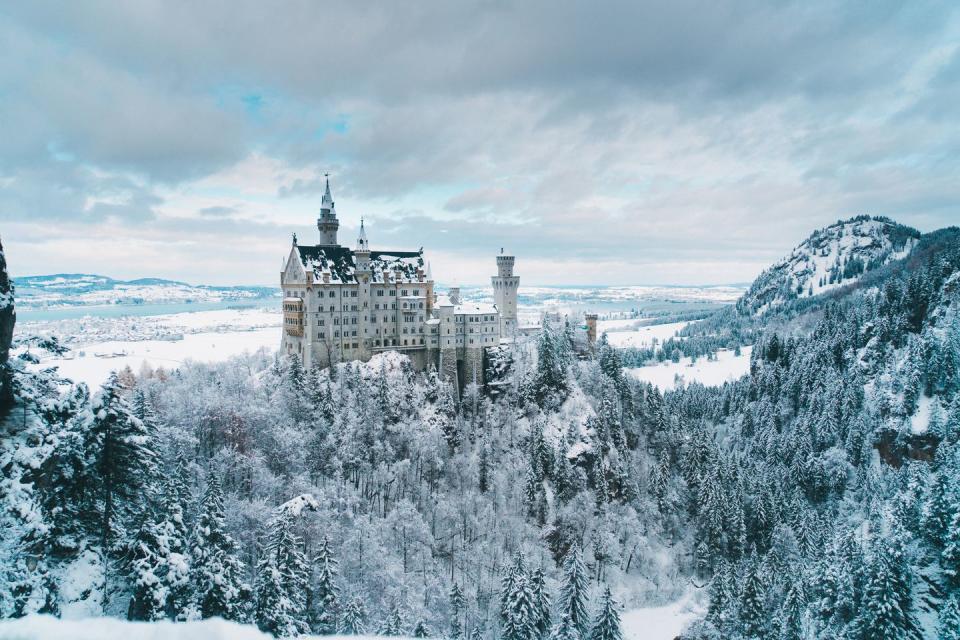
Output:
x,y
344,304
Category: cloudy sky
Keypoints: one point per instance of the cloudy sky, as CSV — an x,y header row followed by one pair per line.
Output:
x,y
614,142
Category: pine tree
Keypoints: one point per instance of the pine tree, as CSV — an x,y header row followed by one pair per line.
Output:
x,y
541,603
753,617
352,619
507,582
326,593
120,467
150,593
606,626
484,468
282,581
520,616
457,606
393,625
421,630
885,612
949,625
216,573
950,556
572,603
566,629
790,620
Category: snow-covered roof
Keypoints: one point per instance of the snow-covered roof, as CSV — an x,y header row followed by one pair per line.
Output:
x,y
470,308
340,263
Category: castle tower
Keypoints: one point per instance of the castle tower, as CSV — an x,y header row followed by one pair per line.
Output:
x,y
327,223
505,286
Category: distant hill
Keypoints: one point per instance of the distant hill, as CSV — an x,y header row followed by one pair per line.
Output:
x,y
831,257
77,289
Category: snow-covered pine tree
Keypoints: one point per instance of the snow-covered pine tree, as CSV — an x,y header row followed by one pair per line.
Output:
x,y
541,603
421,630
885,612
457,607
352,620
282,581
393,625
565,629
120,465
753,614
515,571
325,595
948,626
520,615
216,573
572,602
606,624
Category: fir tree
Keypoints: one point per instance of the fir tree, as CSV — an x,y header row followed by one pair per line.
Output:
x,y
457,606
216,573
325,593
352,619
520,616
516,571
572,603
949,623
541,603
421,630
282,581
566,629
753,617
393,625
606,625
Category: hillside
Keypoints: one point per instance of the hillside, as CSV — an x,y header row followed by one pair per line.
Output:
x,y
831,257
78,289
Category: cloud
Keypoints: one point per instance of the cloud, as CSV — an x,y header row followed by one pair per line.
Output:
x,y
672,143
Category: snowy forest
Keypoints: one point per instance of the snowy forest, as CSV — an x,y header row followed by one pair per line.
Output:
x,y
817,497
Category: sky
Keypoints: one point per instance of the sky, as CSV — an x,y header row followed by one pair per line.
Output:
x,y
601,143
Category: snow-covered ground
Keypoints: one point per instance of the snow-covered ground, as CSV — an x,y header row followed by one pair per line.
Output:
x,y
93,363
726,367
660,623
626,333
50,628
99,346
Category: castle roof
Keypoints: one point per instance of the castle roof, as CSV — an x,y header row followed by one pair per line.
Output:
x,y
341,264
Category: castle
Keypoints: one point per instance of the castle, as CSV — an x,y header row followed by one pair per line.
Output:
x,y
342,304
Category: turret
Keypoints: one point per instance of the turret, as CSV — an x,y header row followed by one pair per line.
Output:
x,y
327,223
505,286
362,252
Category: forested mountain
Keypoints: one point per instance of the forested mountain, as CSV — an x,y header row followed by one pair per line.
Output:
x,y
817,497
830,257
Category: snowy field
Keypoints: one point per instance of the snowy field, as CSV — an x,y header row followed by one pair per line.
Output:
x,y
50,628
725,368
660,623
99,346
626,333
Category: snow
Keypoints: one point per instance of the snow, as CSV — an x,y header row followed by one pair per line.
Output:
x,y
726,367
50,628
920,420
622,334
660,623
94,363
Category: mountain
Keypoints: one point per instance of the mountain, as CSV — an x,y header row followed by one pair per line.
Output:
x,y
77,289
831,257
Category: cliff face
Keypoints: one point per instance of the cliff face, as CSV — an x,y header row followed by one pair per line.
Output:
x,y
7,319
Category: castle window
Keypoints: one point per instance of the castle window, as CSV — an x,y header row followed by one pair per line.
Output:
x,y
320,322
393,292
353,321
416,292
404,343
322,335
331,294
380,292
336,321
331,308
336,334
405,292
353,334
345,307
353,294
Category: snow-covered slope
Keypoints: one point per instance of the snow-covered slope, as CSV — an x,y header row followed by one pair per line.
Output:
x,y
831,257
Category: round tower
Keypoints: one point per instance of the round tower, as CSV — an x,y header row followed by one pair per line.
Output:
x,y
327,223
505,286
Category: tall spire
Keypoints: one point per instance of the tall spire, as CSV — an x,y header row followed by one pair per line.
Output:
x,y
327,203
362,243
